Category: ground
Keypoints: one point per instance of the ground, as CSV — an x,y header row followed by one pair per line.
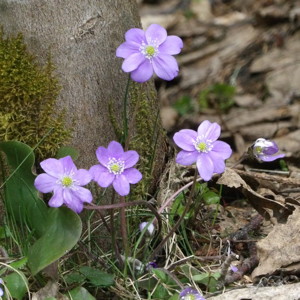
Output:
x,y
240,67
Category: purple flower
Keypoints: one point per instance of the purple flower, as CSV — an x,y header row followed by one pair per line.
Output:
x,y
203,148
150,228
190,294
151,265
233,268
65,181
148,51
1,290
265,150
116,168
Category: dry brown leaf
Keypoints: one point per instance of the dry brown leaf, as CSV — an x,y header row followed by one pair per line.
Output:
x,y
282,292
166,21
247,100
240,118
48,291
290,142
289,55
266,130
281,247
202,10
268,208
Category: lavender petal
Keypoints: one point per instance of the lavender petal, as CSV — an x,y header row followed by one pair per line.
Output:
x,y
53,167
126,49
133,175
57,199
130,158
82,176
143,73
165,66
121,185
210,131
155,33
103,156
83,194
101,175
135,35
172,45
133,61
185,139
115,150
72,201
267,158
218,161
45,183
68,164
222,149
205,167
187,158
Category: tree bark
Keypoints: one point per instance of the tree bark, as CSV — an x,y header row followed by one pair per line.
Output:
x,y
82,37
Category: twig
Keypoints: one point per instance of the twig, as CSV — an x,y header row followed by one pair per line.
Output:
x,y
251,262
224,269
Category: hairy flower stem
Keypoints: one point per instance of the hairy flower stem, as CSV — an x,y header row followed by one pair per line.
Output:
x,y
124,227
113,232
176,226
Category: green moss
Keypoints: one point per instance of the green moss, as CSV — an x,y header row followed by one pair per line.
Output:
x,y
28,94
144,115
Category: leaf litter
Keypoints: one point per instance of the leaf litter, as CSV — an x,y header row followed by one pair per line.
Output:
x,y
253,46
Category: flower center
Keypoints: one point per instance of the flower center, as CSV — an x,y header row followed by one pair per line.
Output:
x,y
67,181
189,297
149,51
202,145
115,166
258,149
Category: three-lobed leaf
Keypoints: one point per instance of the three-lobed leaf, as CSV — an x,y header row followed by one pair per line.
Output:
x,y
63,232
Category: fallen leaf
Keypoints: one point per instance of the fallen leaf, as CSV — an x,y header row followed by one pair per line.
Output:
x,y
282,292
281,247
270,209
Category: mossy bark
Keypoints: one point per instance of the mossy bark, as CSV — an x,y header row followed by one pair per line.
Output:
x,y
82,37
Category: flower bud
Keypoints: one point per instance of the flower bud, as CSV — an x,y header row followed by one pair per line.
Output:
x,y
265,150
150,227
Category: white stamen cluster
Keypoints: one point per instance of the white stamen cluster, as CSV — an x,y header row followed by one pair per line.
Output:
x,y
149,50
116,166
67,181
203,145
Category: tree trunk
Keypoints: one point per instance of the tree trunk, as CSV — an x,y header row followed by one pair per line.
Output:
x,y
82,37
